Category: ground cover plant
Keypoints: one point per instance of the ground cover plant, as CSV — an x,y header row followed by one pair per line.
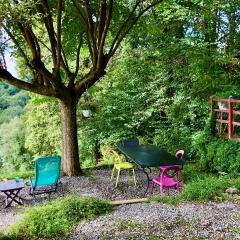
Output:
x,y
201,186
57,218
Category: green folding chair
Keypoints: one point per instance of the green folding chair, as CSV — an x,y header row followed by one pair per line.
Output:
x,y
47,176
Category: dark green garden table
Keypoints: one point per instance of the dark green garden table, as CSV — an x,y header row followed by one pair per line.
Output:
x,y
147,156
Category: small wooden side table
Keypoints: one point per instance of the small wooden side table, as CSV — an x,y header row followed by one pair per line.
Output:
x,y
11,189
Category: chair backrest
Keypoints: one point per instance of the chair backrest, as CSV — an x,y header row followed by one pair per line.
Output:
x,y
170,172
130,142
117,157
47,170
179,153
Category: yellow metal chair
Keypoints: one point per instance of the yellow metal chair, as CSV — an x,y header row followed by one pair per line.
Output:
x,y
121,164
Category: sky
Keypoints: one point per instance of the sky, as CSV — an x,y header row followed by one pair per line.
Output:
x,y
11,64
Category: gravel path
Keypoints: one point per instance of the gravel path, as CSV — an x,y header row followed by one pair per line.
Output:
x,y
160,221
139,221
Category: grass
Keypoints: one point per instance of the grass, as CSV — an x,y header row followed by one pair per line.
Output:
x,y
57,218
200,186
205,189
208,188
4,237
235,182
193,172
130,224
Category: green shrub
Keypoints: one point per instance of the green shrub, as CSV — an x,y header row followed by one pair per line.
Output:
x,y
58,217
199,186
235,183
107,155
3,237
199,190
216,154
13,154
204,189
192,172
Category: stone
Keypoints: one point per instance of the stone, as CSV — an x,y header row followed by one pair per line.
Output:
x,y
232,190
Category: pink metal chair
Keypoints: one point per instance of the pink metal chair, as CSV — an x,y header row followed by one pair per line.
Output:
x,y
167,179
179,154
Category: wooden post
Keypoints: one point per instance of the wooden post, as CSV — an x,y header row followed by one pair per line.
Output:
x,y
211,104
230,118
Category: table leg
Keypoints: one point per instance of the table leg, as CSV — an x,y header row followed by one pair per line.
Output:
x,y
148,180
12,195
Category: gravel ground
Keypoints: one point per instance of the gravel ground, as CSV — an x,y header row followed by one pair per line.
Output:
x,y
160,221
139,221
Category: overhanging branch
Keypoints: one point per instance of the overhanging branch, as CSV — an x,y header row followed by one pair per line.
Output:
x,y
7,76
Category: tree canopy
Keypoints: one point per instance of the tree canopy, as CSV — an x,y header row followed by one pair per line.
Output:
x,y
66,46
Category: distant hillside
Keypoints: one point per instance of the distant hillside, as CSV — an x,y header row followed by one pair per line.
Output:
x,y
12,102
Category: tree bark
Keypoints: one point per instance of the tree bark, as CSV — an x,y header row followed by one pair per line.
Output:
x,y
70,155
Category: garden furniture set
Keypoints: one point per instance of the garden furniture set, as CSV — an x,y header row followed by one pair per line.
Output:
x,y
47,180
47,171
148,156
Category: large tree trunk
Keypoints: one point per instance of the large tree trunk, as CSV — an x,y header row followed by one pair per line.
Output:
x,y
70,156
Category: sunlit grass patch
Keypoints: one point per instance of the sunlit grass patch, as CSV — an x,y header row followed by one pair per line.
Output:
x,y
58,217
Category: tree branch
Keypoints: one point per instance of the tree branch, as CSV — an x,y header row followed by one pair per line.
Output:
x,y
78,55
89,46
17,44
104,34
6,76
90,26
64,64
30,38
124,25
79,11
87,81
119,37
48,21
102,19
59,27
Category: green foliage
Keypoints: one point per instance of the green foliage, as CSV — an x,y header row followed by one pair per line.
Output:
x,y
216,154
87,147
12,102
235,182
58,217
43,135
200,189
157,88
232,91
106,152
5,237
200,186
13,154
204,189
12,175
43,131
125,108
194,172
